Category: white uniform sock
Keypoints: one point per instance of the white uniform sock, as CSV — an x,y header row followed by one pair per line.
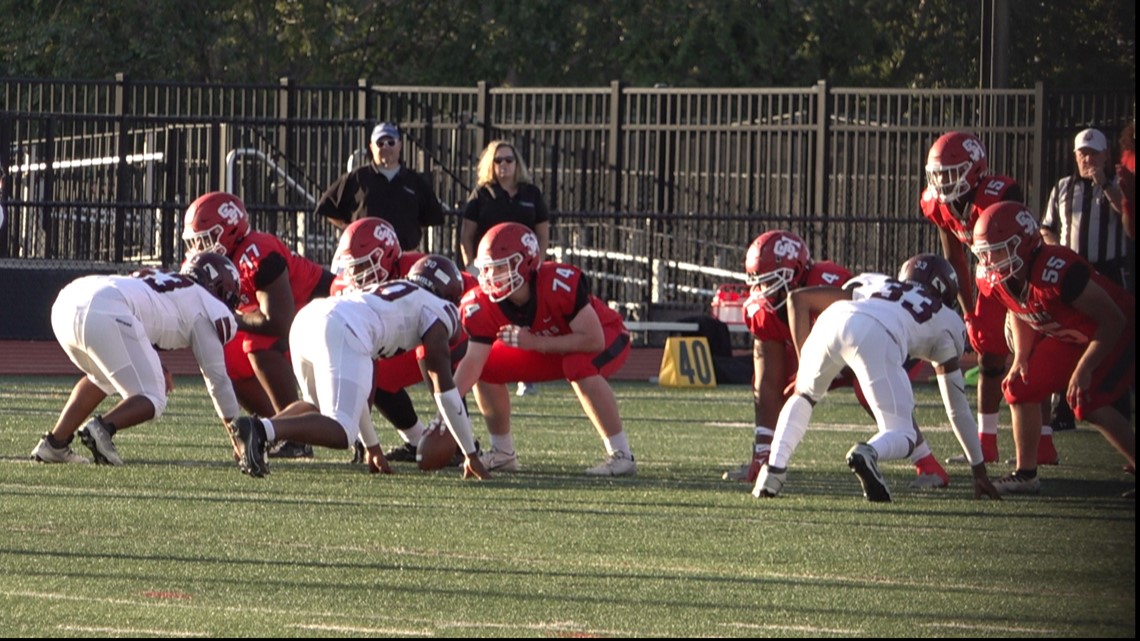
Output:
x,y
618,443
505,443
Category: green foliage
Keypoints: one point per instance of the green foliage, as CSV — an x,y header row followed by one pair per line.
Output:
x,y
178,543
702,43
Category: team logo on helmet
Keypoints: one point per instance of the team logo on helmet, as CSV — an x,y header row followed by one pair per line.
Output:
x,y
530,242
230,211
385,234
974,148
786,247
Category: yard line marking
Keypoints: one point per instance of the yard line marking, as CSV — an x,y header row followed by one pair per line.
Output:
x,y
810,629
371,631
130,632
992,628
832,427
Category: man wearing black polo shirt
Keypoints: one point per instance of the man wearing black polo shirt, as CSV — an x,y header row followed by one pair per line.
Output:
x,y
384,189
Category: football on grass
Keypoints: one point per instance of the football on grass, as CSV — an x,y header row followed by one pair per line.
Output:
x,y
436,449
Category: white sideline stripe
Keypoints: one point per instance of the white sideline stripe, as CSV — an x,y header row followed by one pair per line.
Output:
x,y
371,631
130,632
810,629
1041,632
832,427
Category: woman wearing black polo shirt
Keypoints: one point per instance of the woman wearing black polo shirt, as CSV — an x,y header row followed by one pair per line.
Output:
x,y
504,193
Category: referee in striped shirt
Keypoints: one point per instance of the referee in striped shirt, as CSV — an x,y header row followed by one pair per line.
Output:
x,y
1084,209
1083,214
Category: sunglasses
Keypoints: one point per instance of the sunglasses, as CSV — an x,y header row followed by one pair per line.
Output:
x,y
385,142
505,159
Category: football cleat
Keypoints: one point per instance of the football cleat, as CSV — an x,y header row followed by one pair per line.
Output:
x,y
500,461
989,451
929,482
289,449
250,436
45,453
864,462
616,464
769,483
1015,484
97,439
526,389
405,453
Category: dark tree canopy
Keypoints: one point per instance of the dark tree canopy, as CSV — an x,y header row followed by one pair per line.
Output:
x,y
704,43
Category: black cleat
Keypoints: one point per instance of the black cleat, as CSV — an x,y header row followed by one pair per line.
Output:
x,y
863,460
250,433
405,453
290,449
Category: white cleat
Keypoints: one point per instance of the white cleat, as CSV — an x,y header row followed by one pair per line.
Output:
x,y
45,453
616,464
769,483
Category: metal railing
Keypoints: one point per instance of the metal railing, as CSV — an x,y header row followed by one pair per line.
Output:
x,y
655,191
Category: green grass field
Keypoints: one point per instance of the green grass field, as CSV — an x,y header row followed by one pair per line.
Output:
x,y
177,543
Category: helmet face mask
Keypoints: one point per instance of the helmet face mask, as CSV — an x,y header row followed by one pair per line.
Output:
x,y
955,165
999,260
507,257
1005,238
367,252
777,261
215,222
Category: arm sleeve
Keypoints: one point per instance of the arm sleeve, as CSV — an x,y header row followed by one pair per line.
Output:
x,y
454,414
367,431
953,388
211,359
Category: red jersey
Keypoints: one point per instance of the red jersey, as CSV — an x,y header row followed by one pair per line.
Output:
x,y
261,258
1043,306
767,324
993,189
560,292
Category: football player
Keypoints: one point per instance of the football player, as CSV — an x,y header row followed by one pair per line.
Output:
x,y
958,187
777,263
111,326
335,342
367,255
275,283
1072,331
871,325
537,321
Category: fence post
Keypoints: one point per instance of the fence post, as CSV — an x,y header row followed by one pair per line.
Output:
x,y
614,156
483,115
362,101
1038,169
822,120
122,175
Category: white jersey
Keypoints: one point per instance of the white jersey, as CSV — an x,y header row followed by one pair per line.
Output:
x,y
174,313
392,318
929,330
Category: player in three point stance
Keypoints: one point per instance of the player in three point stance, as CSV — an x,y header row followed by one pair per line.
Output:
x,y
778,262
537,321
871,325
275,283
1072,330
367,255
335,342
110,326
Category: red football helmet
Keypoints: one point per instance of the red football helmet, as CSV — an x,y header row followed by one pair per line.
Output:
x,y
955,165
368,252
934,273
439,275
1005,239
216,222
777,262
216,273
507,258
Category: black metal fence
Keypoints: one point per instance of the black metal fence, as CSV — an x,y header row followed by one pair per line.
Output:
x,y
655,191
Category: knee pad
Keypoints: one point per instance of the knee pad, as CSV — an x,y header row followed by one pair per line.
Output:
x,y
992,372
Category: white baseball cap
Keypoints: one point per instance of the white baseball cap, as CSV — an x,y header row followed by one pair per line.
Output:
x,y
1090,139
